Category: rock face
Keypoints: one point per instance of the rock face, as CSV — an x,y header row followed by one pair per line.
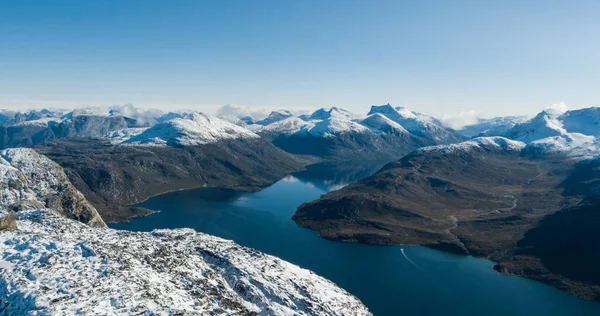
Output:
x,y
54,265
114,176
29,180
8,220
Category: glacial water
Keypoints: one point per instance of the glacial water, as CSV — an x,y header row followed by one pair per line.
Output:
x,y
390,280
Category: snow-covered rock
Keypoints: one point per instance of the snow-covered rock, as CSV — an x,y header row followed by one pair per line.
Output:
x,y
288,126
121,135
57,266
379,123
485,143
497,126
323,114
190,130
585,121
420,125
545,124
275,116
43,122
335,125
573,145
29,180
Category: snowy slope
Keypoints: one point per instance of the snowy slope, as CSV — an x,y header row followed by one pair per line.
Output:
x,y
288,126
421,125
379,123
573,145
275,116
497,126
121,135
58,266
335,125
584,121
190,130
486,143
29,180
545,124
323,114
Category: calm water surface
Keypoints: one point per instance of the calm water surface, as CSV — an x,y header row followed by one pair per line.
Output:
x,y
434,283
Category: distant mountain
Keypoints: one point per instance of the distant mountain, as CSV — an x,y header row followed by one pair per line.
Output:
x,y
497,126
545,124
479,197
30,128
585,121
574,133
379,123
334,112
338,138
190,130
275,116
420,125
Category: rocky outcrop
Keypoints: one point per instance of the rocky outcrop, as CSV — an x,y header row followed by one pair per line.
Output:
x,y
32,181
54,265
8,220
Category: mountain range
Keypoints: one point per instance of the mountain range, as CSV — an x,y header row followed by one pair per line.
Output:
x,y
499,188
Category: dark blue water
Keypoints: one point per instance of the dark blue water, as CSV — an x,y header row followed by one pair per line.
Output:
x,y
434,283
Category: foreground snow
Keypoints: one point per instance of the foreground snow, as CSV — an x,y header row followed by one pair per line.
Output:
x,y
59,266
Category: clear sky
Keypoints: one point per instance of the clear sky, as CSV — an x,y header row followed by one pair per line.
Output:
x,y
438,57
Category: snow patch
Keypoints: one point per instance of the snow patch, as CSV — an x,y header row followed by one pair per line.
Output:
x,y
54,265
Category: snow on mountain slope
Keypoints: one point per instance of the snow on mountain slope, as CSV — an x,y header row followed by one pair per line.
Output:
x,y
58,266
45,122
486,143
421,125
322,114
29,180
334,125
288,126
275,116
190,130
379,123
121,135
585,121
545,124
574,145
497,126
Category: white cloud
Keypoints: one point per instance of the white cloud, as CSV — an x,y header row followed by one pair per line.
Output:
x,y
461,119
560,107
256,112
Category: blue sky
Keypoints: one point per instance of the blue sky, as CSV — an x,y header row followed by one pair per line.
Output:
x,y
438,57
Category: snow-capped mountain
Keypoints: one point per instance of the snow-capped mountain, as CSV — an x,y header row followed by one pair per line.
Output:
x,y
54,265
421,125
275,116
379,123
545,124
189,130
573,133
496,143
288,126
334,126
335,112
497,126
29,180
585,121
